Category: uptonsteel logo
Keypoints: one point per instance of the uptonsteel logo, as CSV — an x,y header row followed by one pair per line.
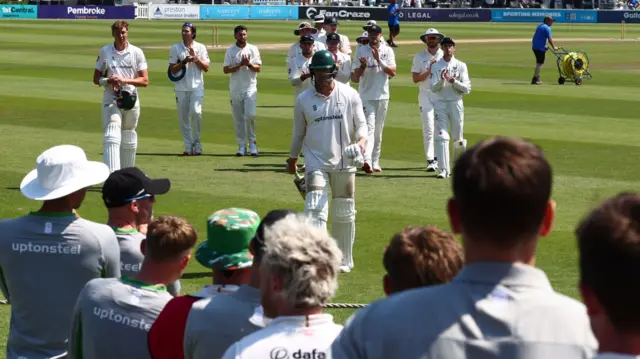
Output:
x,y
86,10
110,314
60,248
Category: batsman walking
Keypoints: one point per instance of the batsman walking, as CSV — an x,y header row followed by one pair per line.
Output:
x,y
449,82
120,68
329,122
188,60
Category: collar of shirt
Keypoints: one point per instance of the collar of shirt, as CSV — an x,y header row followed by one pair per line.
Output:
x,y
506,274
302,320
247,293
609,355
126,49
216,289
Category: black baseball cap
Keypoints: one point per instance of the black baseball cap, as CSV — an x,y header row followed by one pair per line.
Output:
x,y
306,38
333,37
374,28
447,41
131,183
330,20
268,220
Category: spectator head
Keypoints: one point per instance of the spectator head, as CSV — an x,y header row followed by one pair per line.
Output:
x,y
129,196
501,198
168,246
420,257
299,268
609,246
226,250
62,176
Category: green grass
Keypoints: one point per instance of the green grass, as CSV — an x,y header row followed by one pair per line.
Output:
x,y
588,132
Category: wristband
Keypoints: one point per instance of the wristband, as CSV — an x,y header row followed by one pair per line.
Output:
x,y
103,81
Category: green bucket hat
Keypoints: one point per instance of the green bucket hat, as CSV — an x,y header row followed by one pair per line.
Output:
x,y
229,233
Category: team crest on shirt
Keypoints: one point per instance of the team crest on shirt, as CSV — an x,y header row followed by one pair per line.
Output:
x,y
315,108
383,56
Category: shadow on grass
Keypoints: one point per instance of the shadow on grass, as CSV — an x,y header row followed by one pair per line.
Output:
x,y
262,154
196,275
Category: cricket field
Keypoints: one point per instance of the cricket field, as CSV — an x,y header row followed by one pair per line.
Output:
x,y
588,132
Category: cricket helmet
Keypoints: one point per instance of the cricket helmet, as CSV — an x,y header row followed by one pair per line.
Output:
x,y
192,27
322,60
125,100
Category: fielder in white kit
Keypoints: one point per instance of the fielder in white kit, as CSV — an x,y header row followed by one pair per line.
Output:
x,y
120,68
343,61
421,72
304,29
449,82
377,64
243,62
330,25
187,62
329,122
299,75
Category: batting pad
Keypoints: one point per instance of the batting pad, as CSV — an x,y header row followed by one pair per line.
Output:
x,y
111,146
315,205
343,211
128,148
441,148
458,148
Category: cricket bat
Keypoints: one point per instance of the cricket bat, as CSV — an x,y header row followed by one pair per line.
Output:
x,y
299,181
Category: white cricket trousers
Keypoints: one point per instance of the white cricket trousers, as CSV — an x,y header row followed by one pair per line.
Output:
x,y
120,140
428,122
448,114
189,105
375,111
243,107
343,210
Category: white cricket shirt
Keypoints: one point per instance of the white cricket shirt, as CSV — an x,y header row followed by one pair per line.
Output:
x,y
194,78
344,46
243,80
444,90
320,33
374,83
421,63
326,126
298,66
125,63
343,61
296,50
289,337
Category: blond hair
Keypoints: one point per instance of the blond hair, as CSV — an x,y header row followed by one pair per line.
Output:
x,y
169,237
305,257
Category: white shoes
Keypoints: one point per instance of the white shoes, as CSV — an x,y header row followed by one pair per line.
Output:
x,y
432,166
241,151
344,269
253,149
443,174
376,167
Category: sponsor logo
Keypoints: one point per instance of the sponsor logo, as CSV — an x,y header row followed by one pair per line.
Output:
x,y
632,15
328,118
283,353
132,267
343,14
110,314
464,15
17,10
59,248
86,11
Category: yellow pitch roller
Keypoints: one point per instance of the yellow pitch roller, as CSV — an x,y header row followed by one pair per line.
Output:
x,y
572,66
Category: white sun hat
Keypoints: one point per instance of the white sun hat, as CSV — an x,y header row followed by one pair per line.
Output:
x,y
431,32
364,36
62,170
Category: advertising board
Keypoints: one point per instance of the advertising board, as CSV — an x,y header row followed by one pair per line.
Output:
x,y
532,15
86,12
446,15
344,13
18,12
167,11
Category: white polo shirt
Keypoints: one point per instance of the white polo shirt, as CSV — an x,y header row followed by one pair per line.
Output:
x,y
288,337
296,50
421,63
345,45
125,63
326,126
320,33
194,78
374,83
243,80
344,67
298,66
444,90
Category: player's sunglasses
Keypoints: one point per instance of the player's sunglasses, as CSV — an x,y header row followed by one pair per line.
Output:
x,y
148,195
433,38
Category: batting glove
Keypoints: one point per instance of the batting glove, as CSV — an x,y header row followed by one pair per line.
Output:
x,y
354,153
